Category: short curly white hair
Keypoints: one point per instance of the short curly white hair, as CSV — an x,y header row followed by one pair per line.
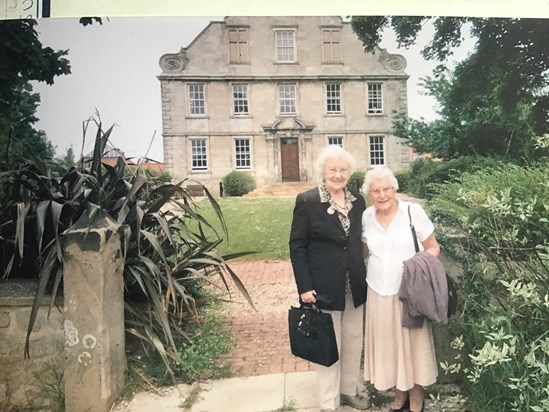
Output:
x,y
379,173
332,151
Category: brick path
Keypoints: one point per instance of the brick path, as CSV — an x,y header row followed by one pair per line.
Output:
x,y
262,344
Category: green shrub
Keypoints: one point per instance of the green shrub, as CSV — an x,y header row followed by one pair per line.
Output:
x,y
356,181
425,174
403,177
238,183
496,225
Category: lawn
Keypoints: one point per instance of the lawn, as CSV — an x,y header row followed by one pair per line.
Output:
x,y
261,225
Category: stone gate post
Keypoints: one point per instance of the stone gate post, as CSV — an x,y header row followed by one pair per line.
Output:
x,y
94,314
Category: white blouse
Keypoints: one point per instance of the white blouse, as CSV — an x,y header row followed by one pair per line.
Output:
x,y
389,248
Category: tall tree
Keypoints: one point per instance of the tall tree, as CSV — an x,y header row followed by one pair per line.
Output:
x,y
23,58
494,101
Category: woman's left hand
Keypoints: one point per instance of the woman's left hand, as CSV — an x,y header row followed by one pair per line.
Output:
x,y
308,297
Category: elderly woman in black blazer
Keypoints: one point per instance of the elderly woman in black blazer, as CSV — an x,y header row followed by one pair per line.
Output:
x,y
328,265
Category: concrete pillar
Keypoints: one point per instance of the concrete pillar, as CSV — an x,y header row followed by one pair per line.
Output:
x,y
94,315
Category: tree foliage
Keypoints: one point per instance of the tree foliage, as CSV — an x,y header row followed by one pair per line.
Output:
x,y
494,101
23,58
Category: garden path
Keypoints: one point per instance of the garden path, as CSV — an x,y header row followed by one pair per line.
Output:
x,y
262,344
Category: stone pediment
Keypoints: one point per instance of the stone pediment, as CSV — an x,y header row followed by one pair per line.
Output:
x,y
393,63
288,124
172,63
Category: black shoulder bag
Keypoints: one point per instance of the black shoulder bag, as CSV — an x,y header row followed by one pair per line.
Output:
x,y
312,334
452,292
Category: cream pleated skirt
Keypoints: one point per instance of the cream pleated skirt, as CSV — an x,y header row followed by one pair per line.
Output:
x,y
396,356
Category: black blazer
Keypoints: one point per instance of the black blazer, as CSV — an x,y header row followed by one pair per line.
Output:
x,y
322,254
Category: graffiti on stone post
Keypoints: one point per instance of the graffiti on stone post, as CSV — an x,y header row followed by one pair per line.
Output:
x,y
71,334
72,339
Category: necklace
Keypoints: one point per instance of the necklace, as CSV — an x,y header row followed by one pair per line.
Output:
x,y
337,207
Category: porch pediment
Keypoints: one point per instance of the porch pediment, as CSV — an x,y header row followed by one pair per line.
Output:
x,y
288,125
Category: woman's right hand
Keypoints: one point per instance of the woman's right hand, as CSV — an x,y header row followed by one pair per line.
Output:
x,y
308,297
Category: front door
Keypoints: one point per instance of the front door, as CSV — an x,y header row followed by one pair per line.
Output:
x,y
289,153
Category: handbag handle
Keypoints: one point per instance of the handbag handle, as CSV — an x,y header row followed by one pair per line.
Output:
x,y
310,305
319,298
413,229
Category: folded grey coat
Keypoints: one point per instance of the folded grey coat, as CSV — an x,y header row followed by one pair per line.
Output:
x,y
423,291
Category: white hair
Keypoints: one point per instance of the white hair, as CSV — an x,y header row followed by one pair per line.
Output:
x,y
332,151
379,173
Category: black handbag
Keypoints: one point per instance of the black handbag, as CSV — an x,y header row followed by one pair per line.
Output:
x,y
452,292
312,334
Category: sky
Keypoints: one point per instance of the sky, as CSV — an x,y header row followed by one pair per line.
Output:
x,y
114,69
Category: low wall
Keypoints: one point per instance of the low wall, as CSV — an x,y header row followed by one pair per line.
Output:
x,y
22,380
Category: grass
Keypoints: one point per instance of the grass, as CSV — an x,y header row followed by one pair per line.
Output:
x,y
288,406
209,339
260,225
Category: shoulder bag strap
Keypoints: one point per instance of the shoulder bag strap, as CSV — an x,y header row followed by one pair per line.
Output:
x,y
413,229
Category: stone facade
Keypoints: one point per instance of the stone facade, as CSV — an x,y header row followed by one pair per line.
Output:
x,y
265,94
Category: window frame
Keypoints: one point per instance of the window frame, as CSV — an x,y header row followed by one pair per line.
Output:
x,y
279,48
238,100
241,54
375,98
377,155
328,44
329,99
284,99
335,137
193,156
247,154
193,99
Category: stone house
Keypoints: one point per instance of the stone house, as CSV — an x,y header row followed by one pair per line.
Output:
x,y
264,94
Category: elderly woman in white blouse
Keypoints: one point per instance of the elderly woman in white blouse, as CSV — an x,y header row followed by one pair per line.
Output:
x,y
396,357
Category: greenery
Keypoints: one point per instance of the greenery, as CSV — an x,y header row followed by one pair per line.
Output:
x,y
260,225
48,392
378,398
207,341
493,102
237,183
51,388
287,406
356,181
166,250
24,59
424,175
495,224
404,177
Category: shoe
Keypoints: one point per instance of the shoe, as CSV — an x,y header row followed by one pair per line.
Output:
x,y
404,408
357,401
